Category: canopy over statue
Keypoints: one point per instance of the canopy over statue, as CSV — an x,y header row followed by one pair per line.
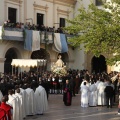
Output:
x,y
59,68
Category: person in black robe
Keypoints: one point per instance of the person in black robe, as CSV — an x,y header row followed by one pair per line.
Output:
x,y
67,95
109,95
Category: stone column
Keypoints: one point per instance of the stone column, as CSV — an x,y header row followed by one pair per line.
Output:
x,y
2,60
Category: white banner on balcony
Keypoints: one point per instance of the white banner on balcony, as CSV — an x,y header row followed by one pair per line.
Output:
x,y
32,40
36,41
13,33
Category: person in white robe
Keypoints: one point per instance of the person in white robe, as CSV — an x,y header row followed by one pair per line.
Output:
x,y
41,100
96,84
87,83
14,104
1,95
31,101
21,102
84,95
19,108
101,94
92,94
25,103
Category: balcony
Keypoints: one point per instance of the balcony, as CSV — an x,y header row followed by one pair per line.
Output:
x,y
16,34
12,34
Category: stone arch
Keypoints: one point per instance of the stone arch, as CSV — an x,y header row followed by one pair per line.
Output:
x,y
41,54
16,49
98,64
11,53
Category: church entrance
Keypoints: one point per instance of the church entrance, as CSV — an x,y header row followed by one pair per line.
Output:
x,y
98,64
40,54
10,54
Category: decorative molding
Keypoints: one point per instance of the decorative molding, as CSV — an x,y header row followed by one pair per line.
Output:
x,y
63,2
15,2
63,12
40,7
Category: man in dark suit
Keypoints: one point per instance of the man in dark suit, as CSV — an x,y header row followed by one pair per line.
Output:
x,y
109,94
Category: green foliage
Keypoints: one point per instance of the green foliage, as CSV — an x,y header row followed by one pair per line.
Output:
x,y
98,29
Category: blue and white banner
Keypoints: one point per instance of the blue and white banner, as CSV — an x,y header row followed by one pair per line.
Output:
x,y
60,43
32,40
13,34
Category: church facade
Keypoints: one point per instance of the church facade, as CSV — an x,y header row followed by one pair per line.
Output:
x,y
50,13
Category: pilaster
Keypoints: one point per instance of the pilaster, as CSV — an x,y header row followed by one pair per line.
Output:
x,y
2,60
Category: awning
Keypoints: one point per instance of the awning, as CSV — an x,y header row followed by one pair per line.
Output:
x,y
28,62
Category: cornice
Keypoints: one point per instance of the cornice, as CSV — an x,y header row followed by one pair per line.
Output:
x,y
63,11
63,2
40,7
71,2
16,2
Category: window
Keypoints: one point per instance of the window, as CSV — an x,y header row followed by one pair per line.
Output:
x,y
12,14
98,2
62,22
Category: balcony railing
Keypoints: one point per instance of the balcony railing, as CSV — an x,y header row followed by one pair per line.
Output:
x,y
16,34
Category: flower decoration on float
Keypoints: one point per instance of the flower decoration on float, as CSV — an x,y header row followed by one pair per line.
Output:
x,y
59,68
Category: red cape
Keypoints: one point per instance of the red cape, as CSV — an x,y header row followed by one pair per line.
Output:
x,y
7,108
2,114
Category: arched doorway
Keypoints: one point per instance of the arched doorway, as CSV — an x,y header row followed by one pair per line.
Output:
x,y
40,54
98,64
10,54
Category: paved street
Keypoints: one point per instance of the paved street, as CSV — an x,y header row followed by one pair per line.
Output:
x,y
57,111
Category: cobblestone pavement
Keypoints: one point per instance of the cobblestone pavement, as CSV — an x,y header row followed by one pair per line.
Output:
x,y
57,111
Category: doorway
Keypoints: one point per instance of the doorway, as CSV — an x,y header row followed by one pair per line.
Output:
x,y
10,54
98,64
62,22
40,18
12,14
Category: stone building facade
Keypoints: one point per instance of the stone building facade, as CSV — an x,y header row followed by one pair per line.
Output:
x,y
50,13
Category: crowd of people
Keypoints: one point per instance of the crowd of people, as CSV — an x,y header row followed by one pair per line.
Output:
x,y
21,98
27,94
95,89
19,25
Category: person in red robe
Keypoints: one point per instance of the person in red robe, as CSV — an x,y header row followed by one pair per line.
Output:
x,y
7,108
67,95
2,114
